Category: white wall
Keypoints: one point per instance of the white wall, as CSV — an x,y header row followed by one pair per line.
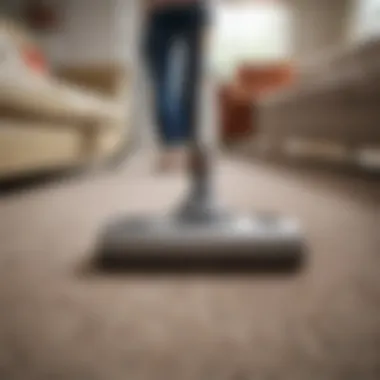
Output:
x,y
92,31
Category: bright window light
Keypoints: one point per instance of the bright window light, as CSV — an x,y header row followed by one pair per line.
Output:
x,y
257,33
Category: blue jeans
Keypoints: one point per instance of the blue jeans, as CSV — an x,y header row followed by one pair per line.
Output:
x,y
175,113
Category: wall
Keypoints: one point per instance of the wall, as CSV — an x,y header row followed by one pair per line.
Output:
x,y
11,8
299,29
319,24
105,30
92,31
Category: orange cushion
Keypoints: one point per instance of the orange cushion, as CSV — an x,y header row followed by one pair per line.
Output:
x,y
35,60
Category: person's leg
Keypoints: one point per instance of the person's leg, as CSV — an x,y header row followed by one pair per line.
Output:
x,y
172,108
192,36
165,30
158,50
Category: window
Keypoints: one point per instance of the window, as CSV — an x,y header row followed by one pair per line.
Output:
x,y
366,19
250,33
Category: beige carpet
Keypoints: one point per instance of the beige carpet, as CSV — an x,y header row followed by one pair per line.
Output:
x,y
57,322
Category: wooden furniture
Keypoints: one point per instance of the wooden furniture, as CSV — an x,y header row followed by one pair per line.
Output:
x,y
334,104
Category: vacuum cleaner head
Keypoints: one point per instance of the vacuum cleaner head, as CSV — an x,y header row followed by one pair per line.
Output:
x,y
227,243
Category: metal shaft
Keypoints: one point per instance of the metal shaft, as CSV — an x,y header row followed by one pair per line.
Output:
x,y
201,202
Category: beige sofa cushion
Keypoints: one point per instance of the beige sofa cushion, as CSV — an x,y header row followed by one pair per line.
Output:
x,y
29,149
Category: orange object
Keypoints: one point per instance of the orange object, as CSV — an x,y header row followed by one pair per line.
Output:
x,y
257,80
35,60
236,113
237,100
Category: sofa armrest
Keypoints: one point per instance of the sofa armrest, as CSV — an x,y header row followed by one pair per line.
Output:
x,y
47,98
106,80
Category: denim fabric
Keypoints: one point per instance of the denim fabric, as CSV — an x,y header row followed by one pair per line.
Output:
x,y
175,110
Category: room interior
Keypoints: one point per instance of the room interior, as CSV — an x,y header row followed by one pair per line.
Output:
x,y
305,67
297,93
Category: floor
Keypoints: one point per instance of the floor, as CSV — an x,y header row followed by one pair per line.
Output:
x,y
60,321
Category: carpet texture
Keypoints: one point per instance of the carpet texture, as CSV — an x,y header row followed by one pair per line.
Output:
x,y
60,321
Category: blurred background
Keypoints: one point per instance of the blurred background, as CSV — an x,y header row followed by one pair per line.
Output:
x,y
297,77
297,84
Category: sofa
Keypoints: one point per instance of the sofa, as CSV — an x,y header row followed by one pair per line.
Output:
x,y
53,119
330,112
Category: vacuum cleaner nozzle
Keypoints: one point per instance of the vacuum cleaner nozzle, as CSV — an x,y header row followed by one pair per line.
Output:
x,y
225,244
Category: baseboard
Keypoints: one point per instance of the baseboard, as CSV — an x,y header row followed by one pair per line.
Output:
x,y
346,168
35,179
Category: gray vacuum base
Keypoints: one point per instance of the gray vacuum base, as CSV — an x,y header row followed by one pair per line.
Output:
x,y
230,240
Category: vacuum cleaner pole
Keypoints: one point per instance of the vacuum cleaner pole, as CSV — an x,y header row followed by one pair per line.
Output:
x,y
200,204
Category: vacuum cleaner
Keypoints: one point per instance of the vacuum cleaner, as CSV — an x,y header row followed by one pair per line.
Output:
x,y
200,233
